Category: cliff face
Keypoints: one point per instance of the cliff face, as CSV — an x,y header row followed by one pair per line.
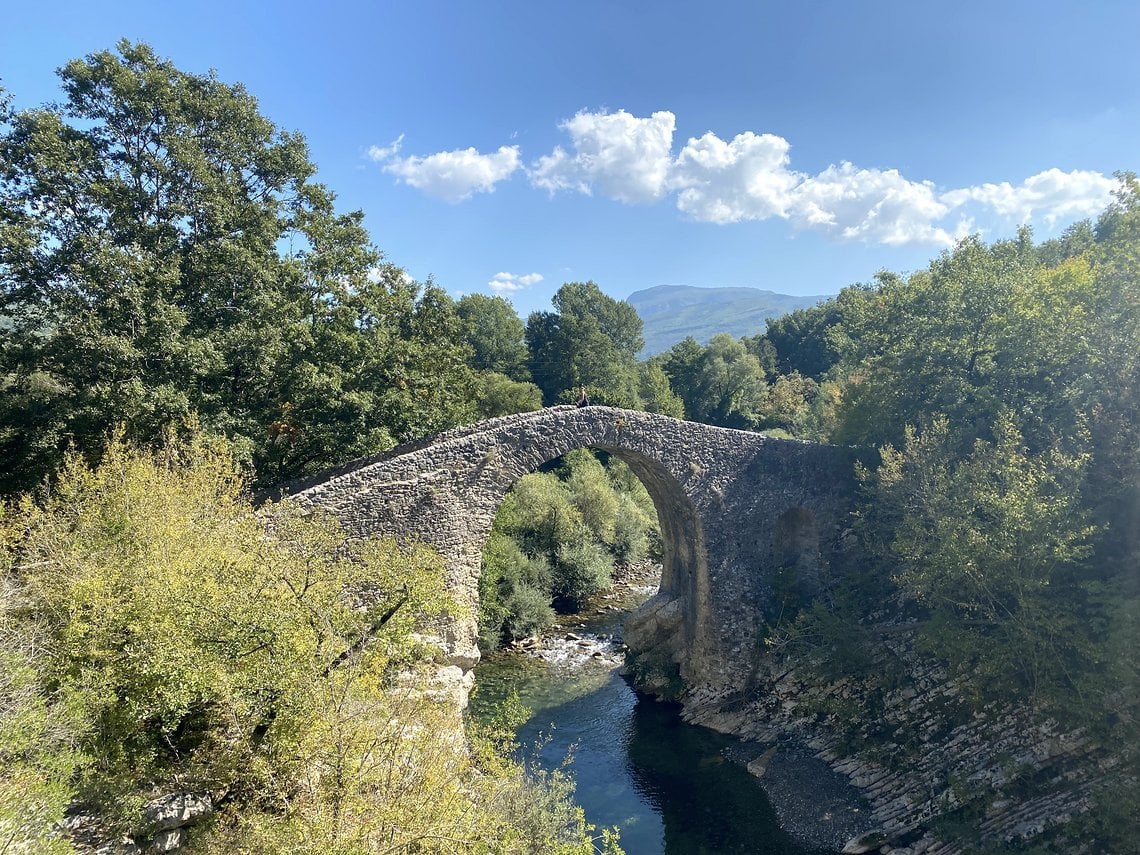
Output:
x,y
936,774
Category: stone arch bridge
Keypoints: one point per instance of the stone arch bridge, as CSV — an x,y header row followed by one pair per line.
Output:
x,y
740,513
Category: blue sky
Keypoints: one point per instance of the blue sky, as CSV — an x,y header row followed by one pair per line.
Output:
x,y
508,147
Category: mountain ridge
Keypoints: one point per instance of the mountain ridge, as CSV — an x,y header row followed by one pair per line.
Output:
x,y
670,313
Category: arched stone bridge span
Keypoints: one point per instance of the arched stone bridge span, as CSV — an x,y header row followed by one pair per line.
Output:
x,y
740,514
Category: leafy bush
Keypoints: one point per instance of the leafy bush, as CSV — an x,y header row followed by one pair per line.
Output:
x,y
528,611
556,537
538,512
499,395
591,493
631,531
581,570
158,632
513,591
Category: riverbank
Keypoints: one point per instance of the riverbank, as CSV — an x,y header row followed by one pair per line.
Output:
x,y
937,776
639,766
814,805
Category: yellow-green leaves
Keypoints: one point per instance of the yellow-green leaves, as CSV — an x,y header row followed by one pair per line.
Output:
x,y
993,544
192,635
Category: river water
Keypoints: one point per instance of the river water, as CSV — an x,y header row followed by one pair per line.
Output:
x,y
668,786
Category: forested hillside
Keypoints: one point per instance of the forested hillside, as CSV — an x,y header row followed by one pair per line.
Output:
x,y
184,315
675,312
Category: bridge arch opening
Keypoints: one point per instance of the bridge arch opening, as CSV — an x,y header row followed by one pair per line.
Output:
x,y
795,554
684,571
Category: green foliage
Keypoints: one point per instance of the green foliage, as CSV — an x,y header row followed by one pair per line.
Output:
x,y
495,333
721,384
985,328
787,404
514,599
499,395
158,632
1078,239
632,526
994,544
183,638
165,255
556,538
591,493
38,734
539,512
800,340
656,394
529,611
590,338
582,570
1001,387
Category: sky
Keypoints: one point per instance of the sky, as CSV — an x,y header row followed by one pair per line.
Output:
x,y
509,146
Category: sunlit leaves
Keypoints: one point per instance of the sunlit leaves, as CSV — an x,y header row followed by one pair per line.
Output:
x,y
190,633
993,543
166,257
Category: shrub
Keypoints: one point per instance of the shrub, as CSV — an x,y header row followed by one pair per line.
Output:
x,y
580,571
528,611
592,494
631,531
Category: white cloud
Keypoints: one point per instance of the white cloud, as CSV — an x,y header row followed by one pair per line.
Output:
x,y
872,205
382,153
508,283
450,175
628,158
725,182
1052,195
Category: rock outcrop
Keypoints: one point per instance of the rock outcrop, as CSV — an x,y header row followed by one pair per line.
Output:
x,y
938,775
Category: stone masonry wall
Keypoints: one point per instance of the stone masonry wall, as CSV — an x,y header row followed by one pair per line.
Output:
x,y
731,505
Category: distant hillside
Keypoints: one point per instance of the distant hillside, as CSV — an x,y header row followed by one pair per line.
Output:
x,y
671,312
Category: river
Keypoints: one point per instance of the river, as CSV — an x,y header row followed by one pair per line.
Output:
x,y
668,786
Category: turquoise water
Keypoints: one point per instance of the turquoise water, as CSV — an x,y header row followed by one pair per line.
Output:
x,y
665,784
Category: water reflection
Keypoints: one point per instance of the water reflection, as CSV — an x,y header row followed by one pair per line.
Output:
x,y
664,783
707,804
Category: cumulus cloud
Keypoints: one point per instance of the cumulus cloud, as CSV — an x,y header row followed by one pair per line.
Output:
x,y
725,182
508,283
628,158
872,205
453,176
1053,195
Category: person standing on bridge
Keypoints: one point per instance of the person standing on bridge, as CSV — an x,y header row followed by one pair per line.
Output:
x,y
583,401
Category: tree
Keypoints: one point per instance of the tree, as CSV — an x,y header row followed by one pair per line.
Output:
x,y
993,543
499,395
656,394
157,632
183,638
590,338
800,339
986,327
721,384
788,401
496,335
1110,391
165,255
681,364
1077,239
